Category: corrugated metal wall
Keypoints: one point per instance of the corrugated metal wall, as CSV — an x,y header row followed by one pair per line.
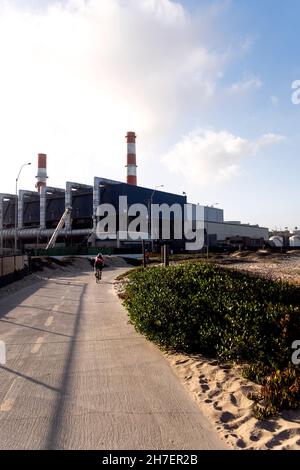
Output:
x,y
10,264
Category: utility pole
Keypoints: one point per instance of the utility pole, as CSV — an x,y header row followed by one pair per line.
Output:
x,y
166,255
207,241
207,221
144,254
150,202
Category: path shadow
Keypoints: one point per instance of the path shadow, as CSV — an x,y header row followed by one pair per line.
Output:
x,y
13,300
30,379
53,436
33,328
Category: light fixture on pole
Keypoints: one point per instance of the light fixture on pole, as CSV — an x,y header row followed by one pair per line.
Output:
x,y
16,205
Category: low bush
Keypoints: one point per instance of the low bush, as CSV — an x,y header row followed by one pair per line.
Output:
x,y
281,390
198,307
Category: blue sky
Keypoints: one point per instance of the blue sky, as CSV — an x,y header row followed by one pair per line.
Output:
x,y
206,85
268,190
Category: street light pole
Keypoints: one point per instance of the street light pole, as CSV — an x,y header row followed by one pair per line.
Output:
x,y
150,213
207,229
16,205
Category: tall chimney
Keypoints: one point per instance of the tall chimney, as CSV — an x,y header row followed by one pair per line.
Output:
x,y
131,158
42,172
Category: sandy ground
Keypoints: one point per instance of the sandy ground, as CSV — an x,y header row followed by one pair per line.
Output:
x,y
221,393
285,267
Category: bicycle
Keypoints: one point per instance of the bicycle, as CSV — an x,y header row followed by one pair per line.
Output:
x,y
98,275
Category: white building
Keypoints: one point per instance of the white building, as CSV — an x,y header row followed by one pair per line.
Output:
x,y
222,231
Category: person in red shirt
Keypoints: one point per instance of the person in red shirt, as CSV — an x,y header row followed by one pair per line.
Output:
x,y
98,266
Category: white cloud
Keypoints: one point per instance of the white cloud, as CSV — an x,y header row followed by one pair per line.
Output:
x,y
76,75
268,139
163,10
206,156
247,84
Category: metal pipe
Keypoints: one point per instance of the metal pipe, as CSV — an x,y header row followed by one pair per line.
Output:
x,y
32,233
58,229
16,206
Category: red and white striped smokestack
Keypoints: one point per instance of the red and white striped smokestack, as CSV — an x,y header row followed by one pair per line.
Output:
x,y
42,172
131,158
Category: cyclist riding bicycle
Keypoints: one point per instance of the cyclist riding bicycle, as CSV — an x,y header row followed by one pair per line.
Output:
x,y
98,266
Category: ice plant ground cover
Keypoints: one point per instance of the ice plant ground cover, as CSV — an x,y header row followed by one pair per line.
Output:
x,y
200,308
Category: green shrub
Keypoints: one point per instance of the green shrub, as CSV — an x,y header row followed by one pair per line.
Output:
x,y
198,307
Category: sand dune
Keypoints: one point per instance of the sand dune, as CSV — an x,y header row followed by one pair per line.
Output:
x,y
221,393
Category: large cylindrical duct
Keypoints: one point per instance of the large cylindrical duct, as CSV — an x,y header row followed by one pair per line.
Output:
x,y
131,158
33,233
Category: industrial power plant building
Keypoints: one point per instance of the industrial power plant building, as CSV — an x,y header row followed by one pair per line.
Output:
x,y
36,214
